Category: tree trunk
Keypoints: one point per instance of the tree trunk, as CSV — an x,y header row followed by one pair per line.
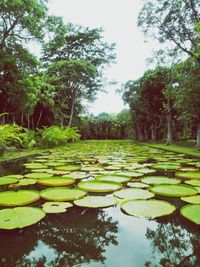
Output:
x,y
22,119
198,136
153,132
71,113
40,116
28,121
169,124
32,122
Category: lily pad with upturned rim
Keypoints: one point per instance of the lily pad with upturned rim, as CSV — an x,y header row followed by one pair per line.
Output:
x,y
167,167
95,201
38,175
191,212
188,175
20,217
98,186
174,190
62,194
69,168
56,207
130,174
18,198
192,199
56,181
76,175
133,193
137,185
113,178
13,176
147,208
159,180
7,181
193,182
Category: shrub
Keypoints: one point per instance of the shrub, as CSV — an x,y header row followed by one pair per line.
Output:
x,y
55,135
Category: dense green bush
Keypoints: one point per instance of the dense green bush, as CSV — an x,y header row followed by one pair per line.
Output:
x,y
55,135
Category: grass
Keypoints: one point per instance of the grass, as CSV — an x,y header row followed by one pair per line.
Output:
x,y
183,147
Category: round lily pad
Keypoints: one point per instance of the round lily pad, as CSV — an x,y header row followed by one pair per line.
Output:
x,y
161,166
62,194
6,181
56,181
134,193
20,217
145,170
34,166
113,178
147,208
193,182
18,198
98,186
130,174
76,175
137,185
192,199
159,180
38,175
187,169
13,176
188,175
70,168
174,190
24,182
54,164
56,207
95,201
191,212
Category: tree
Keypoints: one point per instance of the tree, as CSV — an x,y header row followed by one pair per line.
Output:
x,y
175,21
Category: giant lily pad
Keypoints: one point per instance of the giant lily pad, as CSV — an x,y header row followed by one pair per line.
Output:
x,y
76,175
98,186
13,176
35,166
56,181
130,174
69,168
166,166
137,185
113,178
6,181
38,175
95,201
147,208
133,193
62,194
174,190
20,217
18,198
160,180
191,212
56,207
192,199
24,182
193,182
188,175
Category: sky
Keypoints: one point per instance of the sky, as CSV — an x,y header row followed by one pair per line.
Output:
x,y
118,18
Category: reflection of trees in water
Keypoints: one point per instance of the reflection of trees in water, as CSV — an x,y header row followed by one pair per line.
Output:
x,y
175,243
76,237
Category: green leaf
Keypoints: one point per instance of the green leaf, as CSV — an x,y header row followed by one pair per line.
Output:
x,y
147,208
192,199
56,207
159,180
174,190
56,181
95,201
113,178
188,175
191,212
20,217
62,194
6,181
18,198
98,186
38,175
133,193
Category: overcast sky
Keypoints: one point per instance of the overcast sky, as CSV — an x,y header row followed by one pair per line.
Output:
x,y
119,20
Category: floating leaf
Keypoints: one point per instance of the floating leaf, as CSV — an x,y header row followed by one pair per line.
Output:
x,y
13,176
130,174
18,198
56,207
138,185
133,193
20,217
192,199
188,175
147,208
62,194
6,181
95,201
174,190
187,170
24,182
191,212
76,175
193,182
34,166
159,180
56,181
38,175
113,178
166,166
70,168
98,186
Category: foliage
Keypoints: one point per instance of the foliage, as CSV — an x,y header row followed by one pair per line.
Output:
x,y
55,135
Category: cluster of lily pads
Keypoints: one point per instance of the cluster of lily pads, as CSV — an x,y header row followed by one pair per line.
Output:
x,y
99,175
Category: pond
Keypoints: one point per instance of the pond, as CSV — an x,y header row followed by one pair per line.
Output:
x,y
106,236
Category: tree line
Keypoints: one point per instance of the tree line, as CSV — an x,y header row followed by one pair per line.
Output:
x,y
165,101
49,90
